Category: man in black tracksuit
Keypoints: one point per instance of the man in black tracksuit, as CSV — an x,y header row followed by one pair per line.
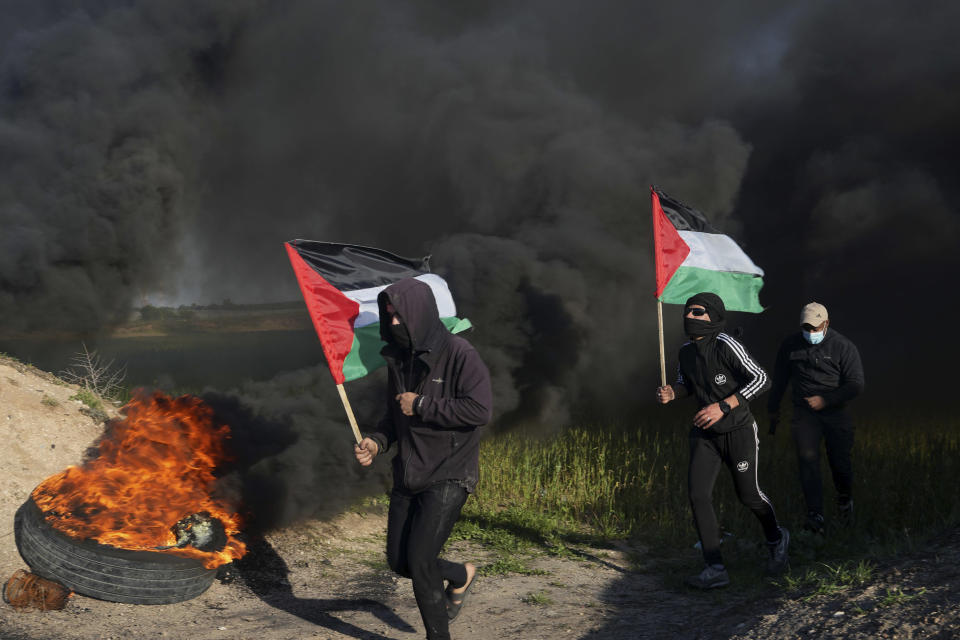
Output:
x,y
439,395
724,378
825,370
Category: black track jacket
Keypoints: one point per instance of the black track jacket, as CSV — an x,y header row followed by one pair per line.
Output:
x,y
831,369
442,441
715,368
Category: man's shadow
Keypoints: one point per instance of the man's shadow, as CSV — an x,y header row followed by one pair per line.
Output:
x,y
267,575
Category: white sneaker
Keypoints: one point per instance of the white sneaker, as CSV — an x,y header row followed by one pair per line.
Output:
x,y
711,577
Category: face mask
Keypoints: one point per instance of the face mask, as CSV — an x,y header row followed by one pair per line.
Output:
x,y
814,337
400,335
697,328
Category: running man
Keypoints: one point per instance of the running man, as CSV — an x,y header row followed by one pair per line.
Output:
x,y
438,397
719,372
825,371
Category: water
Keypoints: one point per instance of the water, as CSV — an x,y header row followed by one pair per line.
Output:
x,y
182,362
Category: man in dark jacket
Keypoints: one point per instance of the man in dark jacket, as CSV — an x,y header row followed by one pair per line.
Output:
x,y
439,395
724,378
825,370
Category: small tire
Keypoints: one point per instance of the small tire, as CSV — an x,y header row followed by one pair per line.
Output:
x,y
104,572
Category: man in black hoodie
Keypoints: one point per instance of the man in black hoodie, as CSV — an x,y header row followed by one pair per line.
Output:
x,y
439,395
825,371
724,378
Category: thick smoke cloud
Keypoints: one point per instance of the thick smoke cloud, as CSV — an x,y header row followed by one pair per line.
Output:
x,y
459,140
169,148
101,132
292,449
853,179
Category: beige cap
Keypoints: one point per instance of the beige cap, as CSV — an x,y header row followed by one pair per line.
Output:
x,y
813,314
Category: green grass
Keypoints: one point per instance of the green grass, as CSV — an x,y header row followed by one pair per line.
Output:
x,y
588,485
892,597
540,598
509,565
512,550
378,563
824,578
582,486
88,398
896,596
94,404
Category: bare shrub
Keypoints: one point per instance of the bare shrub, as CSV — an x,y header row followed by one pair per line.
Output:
x,y
88,370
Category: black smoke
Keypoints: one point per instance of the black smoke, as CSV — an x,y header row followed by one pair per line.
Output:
x,y
105,116
291,450
172,147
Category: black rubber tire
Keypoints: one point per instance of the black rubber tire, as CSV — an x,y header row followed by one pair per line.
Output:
x,y
103,572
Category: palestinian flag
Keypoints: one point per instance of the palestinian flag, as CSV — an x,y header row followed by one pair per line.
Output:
x,y
340,284
692,256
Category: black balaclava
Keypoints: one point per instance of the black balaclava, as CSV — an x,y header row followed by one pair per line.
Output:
x,y
396,334
420,327
400,336
714,305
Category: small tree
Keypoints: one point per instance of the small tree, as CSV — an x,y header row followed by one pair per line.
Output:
x,y
88,370
149,313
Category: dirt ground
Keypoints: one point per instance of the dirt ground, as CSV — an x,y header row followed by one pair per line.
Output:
x,y
329,579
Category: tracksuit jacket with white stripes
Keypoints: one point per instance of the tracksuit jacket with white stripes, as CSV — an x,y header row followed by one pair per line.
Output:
x,y
715,368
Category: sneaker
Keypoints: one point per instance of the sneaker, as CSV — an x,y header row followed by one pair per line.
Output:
x,y
779,560
713,576
845,511
815,523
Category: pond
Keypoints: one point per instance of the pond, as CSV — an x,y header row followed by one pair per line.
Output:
x,y
181,362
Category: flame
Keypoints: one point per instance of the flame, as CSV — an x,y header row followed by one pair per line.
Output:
x,y
155,467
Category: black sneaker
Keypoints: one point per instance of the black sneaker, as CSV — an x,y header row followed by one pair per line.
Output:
x,y
779,560
845,511
815,523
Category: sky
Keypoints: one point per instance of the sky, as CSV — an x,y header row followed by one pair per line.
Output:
x,y
165,151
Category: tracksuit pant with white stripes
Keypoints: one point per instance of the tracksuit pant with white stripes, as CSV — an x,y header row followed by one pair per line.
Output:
x,y
737,450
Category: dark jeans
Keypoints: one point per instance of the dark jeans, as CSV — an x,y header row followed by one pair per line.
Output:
x,y
418,526
835,428
738,451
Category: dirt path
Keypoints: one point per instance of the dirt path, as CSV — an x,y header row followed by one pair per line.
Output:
x,y
915,597
329,579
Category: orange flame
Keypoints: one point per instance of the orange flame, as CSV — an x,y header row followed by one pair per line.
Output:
x,y
154,468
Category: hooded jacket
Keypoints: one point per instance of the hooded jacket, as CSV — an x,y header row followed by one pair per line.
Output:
x,y
442,440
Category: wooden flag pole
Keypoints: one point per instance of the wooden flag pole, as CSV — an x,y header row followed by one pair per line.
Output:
x,y
349,410
654,205
663,363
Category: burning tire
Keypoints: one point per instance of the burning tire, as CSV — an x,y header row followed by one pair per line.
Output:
x,y
103,572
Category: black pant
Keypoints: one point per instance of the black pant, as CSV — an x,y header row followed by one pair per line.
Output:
x,y
417,527
836,429
738,450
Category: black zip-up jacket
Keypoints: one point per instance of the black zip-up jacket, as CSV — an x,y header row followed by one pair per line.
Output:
x,y
715,368
442,440
831,369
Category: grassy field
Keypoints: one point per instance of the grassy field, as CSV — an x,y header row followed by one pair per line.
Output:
x,y
593,484
600,482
